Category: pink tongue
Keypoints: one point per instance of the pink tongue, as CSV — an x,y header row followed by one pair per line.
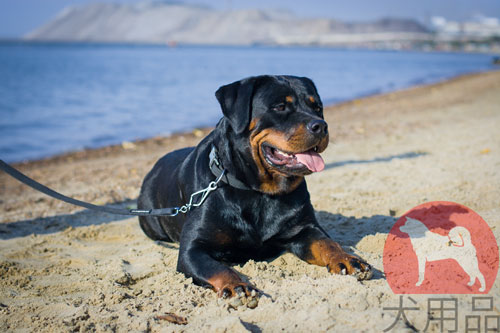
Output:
x,y
311,160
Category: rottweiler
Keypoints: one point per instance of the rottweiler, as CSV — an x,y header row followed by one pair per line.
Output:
x,y
270,136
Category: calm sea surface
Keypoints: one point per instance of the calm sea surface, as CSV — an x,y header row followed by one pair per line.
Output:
x,y
57,98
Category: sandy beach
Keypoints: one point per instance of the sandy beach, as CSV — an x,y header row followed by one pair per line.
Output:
x,y
67,269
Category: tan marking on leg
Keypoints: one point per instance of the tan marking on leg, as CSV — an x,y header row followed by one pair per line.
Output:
x,y
324,251
226,279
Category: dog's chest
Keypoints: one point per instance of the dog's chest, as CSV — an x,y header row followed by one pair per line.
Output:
x,y
253,237
257,226
264,220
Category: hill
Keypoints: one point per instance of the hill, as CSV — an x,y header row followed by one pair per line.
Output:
x,y
163,22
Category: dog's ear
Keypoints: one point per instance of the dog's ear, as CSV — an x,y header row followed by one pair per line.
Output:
x,y
236,102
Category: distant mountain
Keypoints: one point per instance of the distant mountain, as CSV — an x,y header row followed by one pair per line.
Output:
x,y
164,22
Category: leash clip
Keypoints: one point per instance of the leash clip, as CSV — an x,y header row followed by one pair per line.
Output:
x,y
203,193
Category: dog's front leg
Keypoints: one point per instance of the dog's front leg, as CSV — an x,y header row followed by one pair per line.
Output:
x,y
194,261
315,247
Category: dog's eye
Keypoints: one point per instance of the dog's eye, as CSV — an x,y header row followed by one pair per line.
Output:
x,y
280,107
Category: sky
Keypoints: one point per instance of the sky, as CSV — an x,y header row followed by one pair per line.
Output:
x,y
17,17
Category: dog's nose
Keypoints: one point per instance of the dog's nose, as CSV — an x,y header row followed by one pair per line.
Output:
x,y
317,127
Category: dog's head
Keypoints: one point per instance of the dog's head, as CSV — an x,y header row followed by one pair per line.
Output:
x,y
278,121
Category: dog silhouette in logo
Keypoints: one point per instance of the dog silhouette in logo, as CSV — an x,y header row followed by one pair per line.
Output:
x,y
430,246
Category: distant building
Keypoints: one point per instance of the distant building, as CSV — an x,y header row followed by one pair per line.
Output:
x,y
479,27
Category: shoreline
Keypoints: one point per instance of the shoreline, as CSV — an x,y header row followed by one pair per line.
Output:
x,y
62,267
200,132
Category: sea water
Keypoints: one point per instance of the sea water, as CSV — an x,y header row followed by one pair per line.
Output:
x,y
61,97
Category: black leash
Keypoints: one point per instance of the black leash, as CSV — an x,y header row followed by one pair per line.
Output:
x,y
44,189
195,200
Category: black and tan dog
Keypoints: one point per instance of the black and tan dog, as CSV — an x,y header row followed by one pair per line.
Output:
x,y
269,138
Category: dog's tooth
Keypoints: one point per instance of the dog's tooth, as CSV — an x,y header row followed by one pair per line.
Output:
x,y
283,153
344,271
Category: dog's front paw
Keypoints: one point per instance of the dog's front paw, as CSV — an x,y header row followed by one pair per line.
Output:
x,y
351,265
241,294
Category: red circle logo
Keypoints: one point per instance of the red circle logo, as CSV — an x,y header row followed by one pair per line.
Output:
x,y
440,248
